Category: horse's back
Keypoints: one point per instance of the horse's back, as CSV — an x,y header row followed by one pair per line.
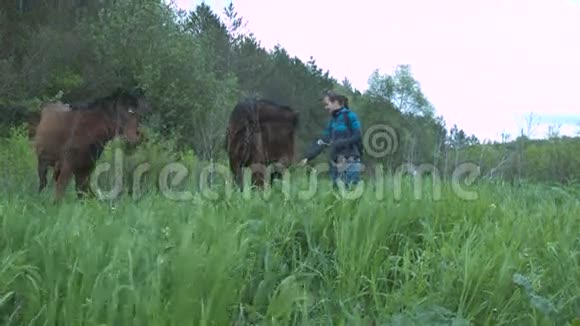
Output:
x,y
56,107
51,131
252,111
274,123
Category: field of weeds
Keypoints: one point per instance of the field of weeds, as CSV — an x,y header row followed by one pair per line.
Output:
x,y
509,257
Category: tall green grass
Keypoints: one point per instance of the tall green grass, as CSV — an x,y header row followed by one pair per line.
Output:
x,y
510,257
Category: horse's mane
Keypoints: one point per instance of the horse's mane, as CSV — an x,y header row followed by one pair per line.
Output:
x,y
275,104
102,103
271,111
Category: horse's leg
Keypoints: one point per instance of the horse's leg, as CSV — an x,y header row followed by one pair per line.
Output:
x,y
82,181
279,167
62,180
42,170
235,170
276,175
239,174
258,160
56,171
238,159
258,174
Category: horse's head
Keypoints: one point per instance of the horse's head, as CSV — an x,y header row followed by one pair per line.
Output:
x,y
130,129
130,108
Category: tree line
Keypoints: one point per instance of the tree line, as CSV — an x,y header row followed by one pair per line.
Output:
x,y
195,66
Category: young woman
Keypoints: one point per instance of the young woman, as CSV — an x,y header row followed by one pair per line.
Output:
x,y
343,136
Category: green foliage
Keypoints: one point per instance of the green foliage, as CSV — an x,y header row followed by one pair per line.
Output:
x,y
401,89
550,160
508,257
194,67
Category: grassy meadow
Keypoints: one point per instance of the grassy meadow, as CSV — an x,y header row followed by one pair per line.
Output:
x,y
509,257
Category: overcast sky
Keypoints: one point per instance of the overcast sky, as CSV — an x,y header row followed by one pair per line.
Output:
x,y
483,64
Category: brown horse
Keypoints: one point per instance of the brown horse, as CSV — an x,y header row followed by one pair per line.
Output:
x,y
71,138
260,133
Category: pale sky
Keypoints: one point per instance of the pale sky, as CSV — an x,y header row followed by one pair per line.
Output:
x,y
483,64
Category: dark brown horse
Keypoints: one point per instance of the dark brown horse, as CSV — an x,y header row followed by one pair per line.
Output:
x,y
260,133
71,138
